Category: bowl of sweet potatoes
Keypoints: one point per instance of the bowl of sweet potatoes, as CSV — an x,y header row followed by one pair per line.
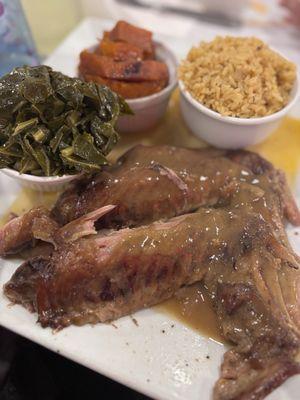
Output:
x,y
138,68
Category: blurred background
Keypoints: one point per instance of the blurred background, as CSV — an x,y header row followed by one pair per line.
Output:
x,y
30,29
51,20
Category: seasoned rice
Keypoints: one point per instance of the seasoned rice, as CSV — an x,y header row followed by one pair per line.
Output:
x,y
238,77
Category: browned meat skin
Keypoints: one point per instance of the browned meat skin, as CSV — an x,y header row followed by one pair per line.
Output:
x,y
260,166
257,303
156,191
252,313
153,194
103,277
240,381
218,226
164,182
21,231
239,249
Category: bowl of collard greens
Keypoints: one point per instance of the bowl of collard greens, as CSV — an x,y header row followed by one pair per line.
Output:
x,y
53,127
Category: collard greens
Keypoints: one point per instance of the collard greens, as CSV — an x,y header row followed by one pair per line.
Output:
x,y
51,124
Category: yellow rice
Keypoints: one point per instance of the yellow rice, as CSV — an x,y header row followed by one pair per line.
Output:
x,y
238,77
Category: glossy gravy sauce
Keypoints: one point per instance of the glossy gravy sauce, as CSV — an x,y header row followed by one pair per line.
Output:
x,y
192,306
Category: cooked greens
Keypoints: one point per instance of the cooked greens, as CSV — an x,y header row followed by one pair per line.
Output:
x,y
51,124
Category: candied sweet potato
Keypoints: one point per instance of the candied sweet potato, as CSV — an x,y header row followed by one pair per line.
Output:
x,y
125,32
136,71
129,90
119,51
125,61
106,34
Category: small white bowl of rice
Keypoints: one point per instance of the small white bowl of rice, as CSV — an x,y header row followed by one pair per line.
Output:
x,y
234,91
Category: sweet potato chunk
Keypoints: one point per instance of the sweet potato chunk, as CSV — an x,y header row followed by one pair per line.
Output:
x,y
125,61
136,71
128,90
119,51
106,35
131,34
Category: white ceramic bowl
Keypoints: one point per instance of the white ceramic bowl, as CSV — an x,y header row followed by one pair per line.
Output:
x,y
40,183
149,110
230,132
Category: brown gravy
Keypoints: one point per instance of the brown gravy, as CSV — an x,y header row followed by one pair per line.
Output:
x,y
192,306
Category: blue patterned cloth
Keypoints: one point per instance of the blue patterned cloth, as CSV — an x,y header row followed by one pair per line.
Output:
x,y
16,45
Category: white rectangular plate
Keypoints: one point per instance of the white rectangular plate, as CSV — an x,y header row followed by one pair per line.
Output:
x,y
170,365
